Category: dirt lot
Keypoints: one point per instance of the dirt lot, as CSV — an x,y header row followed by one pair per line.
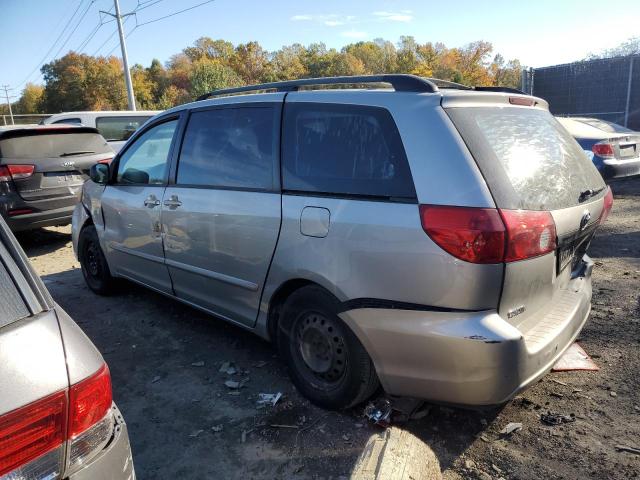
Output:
x,y
185,423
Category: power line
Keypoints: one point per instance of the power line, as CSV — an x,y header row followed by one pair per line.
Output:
x,y
84,14
147,4
174,13
52,45
93,33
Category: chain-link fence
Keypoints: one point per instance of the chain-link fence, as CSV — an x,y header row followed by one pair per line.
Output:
x,y
606,88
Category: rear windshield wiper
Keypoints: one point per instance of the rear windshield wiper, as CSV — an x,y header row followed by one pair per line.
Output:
x,y
80,152
588,194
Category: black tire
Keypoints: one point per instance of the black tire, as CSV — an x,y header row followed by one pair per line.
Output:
x,y
93,264
326,361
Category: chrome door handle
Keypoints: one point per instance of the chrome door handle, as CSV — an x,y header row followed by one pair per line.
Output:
x,y
173,202
151,201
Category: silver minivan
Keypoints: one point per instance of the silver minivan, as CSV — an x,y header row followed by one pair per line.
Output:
x,y
430,237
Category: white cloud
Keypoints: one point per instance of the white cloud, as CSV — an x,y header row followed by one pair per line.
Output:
x,y
301,18
354,34
402,16
333,23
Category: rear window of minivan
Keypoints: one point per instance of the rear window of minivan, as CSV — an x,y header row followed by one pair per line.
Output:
x,y
527,158
51,143
119,128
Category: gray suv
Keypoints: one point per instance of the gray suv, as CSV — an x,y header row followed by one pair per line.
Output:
x,y
430,238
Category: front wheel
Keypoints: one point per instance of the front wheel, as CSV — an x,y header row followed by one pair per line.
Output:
x,y
93,263
327,362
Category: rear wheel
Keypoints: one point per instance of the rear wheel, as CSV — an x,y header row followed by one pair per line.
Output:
x,y
93,263
327,362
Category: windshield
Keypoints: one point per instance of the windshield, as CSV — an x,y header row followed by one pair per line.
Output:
x,y
528,160
53,145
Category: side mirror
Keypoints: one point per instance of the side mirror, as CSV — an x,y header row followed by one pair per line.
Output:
x,y
99,173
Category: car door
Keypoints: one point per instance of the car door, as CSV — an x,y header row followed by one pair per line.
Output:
x,y
132,238
221,215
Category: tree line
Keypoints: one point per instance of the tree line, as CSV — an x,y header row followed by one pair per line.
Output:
x,y
78,81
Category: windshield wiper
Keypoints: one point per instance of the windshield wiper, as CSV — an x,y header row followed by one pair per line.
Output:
x,y
80,152
588,194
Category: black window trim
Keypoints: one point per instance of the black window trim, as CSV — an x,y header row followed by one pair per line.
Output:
x,y
345,196
276,177
68,121
113,170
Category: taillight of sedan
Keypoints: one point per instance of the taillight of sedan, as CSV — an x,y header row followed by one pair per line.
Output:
x,y
32,437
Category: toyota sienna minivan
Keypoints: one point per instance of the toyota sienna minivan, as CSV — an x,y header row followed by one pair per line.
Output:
x,y
428,237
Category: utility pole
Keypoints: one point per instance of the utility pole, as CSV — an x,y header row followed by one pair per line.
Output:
x,y
125,60
6,94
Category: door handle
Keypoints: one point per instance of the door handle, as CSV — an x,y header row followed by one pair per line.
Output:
x,y
173,202
151,201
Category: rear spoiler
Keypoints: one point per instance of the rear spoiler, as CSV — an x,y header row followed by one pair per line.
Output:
x,y
48,130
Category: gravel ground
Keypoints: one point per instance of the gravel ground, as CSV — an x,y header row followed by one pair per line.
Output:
x,y
185,423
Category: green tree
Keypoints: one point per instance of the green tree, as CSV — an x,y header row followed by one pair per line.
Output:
x,y
208,75
31,99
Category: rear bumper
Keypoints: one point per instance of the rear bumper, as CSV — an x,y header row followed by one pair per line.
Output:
x,y
115,462
467,358
620,168
39,217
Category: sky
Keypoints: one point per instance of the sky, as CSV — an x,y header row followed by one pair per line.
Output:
x,y
539,33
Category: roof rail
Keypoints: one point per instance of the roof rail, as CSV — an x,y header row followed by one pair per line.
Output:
x,y
447,84
500,89
400,82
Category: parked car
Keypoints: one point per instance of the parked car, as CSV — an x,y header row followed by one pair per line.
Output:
x,y
42,170
57,417
431,238
614,149
115,126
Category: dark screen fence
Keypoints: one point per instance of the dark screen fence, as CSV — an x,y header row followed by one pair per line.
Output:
x,y
608,89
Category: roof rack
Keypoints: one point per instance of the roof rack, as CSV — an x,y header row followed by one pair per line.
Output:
x,y
400,82
447,84
499,89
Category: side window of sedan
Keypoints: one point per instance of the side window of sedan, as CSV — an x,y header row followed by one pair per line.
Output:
x,y
145,162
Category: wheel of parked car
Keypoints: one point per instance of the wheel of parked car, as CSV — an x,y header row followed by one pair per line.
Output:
x,y
94,265
327,362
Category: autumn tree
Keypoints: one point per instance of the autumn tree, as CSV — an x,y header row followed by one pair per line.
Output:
x,y
30,100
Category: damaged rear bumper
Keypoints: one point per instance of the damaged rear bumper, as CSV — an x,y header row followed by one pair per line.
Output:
x,y
467,358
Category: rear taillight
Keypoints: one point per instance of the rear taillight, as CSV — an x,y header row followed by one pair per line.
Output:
x,y
15,172
606,208
529,234
603,149
475,235
32,437
32,431
487,235
106,161
89,401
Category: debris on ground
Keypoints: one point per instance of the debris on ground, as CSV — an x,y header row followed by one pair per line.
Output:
x,y
217,428
269,398
259,364
198,364
155,379
552,418
575,358
613,394
232,384
195,433
511,428
559,382
229,368
624,448
277,425
379,412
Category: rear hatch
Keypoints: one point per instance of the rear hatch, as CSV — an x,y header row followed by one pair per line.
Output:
x,y
532,164
49,163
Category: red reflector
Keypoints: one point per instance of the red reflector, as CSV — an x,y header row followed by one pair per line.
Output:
x,y
5,175
89,401
472,234
19,211
606,208
527,102
529,234
31,431
603,149
106,161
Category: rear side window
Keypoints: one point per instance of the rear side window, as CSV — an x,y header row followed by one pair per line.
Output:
x,y
145,161
230,147
344,150
527,158
51,145
119,128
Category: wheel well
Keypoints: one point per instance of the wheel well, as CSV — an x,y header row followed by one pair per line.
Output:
x,y
277,302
